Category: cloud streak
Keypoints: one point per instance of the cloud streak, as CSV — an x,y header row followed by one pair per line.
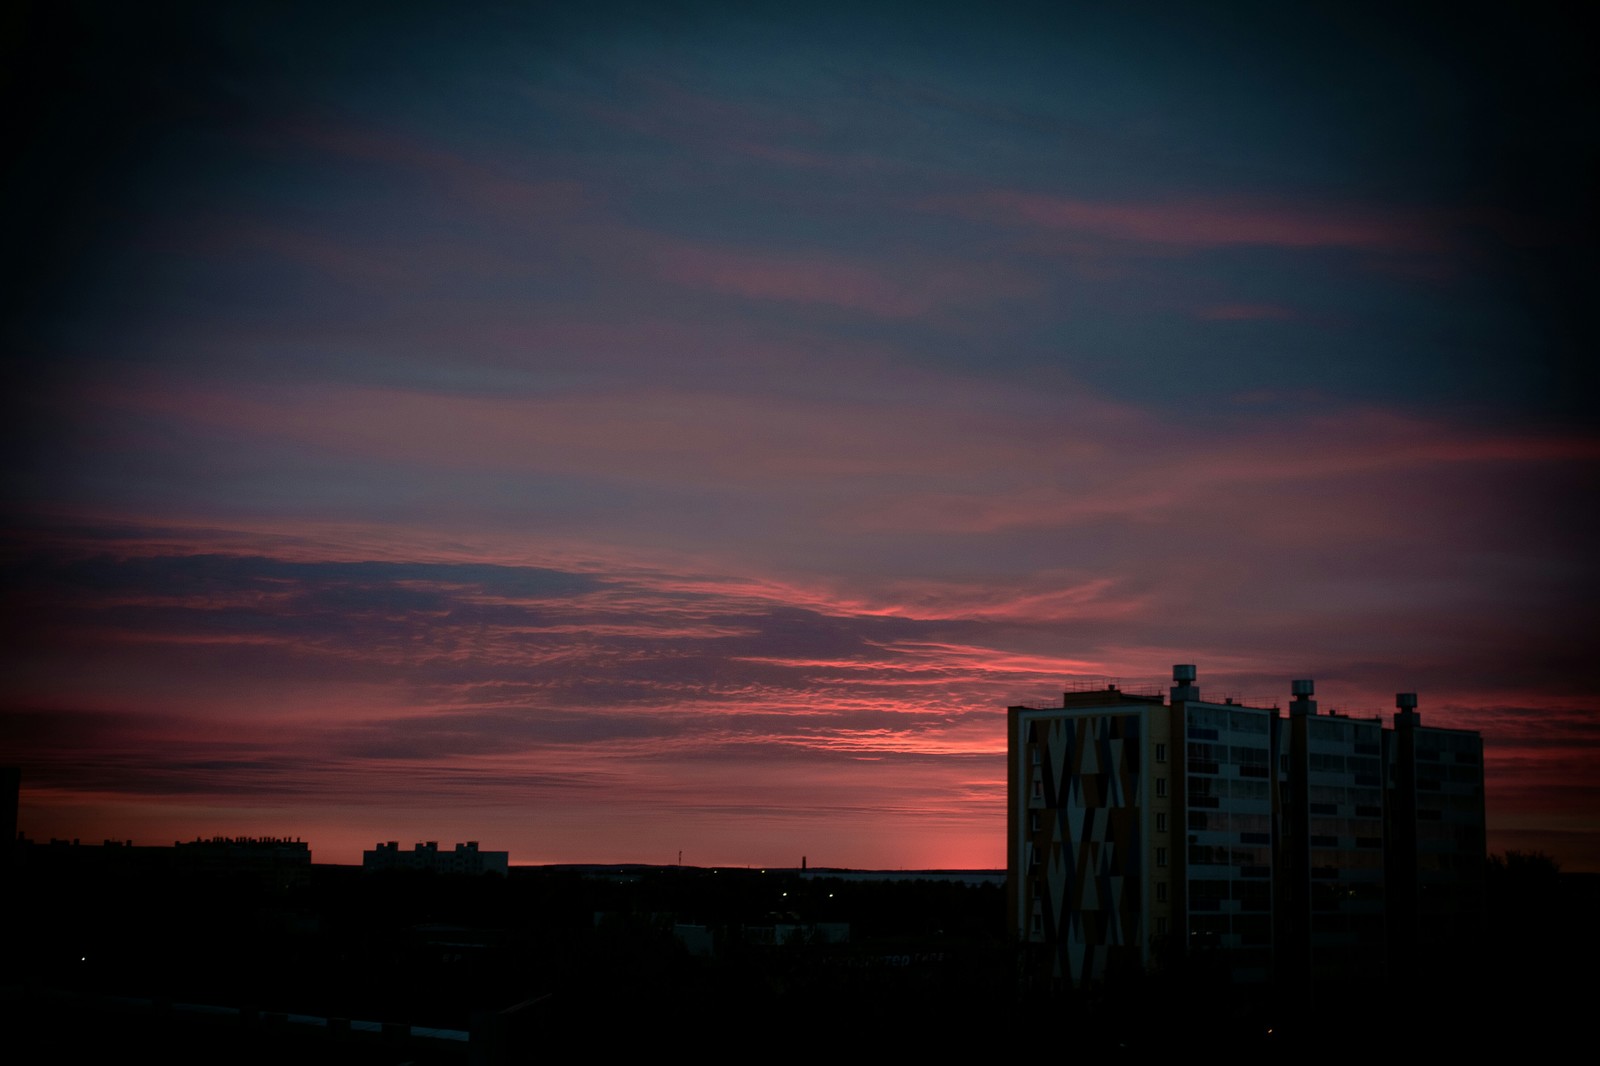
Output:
x,y
1200,223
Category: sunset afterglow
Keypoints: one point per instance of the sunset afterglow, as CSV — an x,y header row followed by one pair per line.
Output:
x,y
605,436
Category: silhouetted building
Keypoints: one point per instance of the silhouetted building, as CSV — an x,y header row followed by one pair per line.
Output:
x,y
1435,821
465,859
1331,845
1144,830
279,862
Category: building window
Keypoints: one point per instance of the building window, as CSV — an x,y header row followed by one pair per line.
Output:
x,y
1161,788
1161,926
1161,856
1161,821
1161,753
1033,821
1161,891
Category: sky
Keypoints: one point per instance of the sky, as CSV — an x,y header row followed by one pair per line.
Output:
x,y
609,431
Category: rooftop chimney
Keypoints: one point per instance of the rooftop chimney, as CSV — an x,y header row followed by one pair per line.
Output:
x,y
1302,704
1183,686
1407,713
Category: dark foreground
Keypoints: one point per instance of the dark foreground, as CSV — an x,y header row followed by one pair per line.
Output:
x,y
418,968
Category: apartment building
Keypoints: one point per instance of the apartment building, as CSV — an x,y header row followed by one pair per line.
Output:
x,y
1143,829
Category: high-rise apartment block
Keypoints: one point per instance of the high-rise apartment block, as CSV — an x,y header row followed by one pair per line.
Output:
x,y
1143,829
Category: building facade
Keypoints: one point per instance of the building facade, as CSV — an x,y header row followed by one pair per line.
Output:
x,y
1144,829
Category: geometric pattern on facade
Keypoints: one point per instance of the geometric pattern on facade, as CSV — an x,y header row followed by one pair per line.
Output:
x,y
1086,843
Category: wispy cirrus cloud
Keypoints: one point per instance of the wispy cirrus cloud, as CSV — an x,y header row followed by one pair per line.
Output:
x,y
863,286
516,684
745,436
458,680
1200,223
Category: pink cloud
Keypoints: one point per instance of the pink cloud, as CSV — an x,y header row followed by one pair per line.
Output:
x,y
770,722
1197,223
565,218
1385,537
792,280
899,289
700,436
1165,474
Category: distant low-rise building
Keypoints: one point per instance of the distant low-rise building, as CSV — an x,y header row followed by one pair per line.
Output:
x,y
280,862
465,859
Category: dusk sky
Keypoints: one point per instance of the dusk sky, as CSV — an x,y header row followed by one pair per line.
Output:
x,y
604,430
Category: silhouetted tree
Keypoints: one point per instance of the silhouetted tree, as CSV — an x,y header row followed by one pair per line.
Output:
x,y
1525,867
